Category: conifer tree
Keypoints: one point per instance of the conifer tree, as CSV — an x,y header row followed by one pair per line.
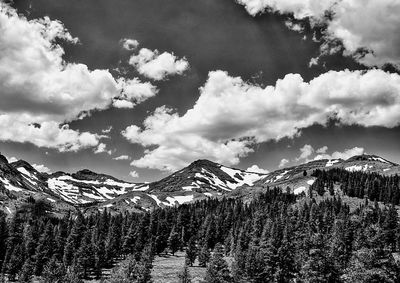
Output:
x,y
44,249
204,255
53,271
85,255
173,240
191,251
72,275
217,269
26,273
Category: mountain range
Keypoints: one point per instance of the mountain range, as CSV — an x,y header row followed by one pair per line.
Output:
x,y
201,179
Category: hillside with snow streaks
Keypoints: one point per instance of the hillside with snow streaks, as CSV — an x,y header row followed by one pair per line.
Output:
x,y
83,191
201,179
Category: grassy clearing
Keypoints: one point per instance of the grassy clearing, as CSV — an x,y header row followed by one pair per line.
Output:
x,y
167,267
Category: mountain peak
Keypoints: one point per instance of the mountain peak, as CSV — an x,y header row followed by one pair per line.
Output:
x,y
3,159
369,157
203,163
24,164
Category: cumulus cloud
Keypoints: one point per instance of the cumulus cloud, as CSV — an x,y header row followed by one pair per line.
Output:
x,y
283,162
122,157
322,149
255,169
122,103
107,130
41,168
47,134
346,154
133,92
305,152
102,148
40,91
158,66
134,174
231,115
129,44
370,26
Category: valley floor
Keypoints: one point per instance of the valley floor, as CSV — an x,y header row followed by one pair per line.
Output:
x,y
166,269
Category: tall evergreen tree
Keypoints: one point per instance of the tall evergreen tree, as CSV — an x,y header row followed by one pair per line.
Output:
x,y
204,255
217,269
191,251
173,240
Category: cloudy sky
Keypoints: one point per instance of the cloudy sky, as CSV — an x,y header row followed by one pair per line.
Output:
x,y
140,88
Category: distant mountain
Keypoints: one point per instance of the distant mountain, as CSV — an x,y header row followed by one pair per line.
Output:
x,y
293,177
85,186
201,179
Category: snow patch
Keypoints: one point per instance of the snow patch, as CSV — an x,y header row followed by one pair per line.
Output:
x,y
135,199
118,184
89,195
378,159
157,200
27,173
281,175
249,178
331,162
358,168
8,186
310,182
299,190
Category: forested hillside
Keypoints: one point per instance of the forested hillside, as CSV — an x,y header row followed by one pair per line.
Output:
x,y
274,238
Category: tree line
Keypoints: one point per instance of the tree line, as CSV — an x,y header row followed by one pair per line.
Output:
x,y
359,184
273,238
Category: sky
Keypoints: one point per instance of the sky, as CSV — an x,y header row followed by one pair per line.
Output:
x,y
141,88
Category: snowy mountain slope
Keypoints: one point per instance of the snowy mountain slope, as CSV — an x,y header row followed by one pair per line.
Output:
x,y
294,179
86,186
201,179
18,181
203,176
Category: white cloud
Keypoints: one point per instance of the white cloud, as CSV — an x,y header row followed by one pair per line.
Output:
x,y
129,44
158,66
41,168
49,134
370,25
107,130
255,169
313,62
122,103
283,163
133,92
346,154
305,152
40,91
134,174
102,148
294,26
231,115
122,157
322,149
